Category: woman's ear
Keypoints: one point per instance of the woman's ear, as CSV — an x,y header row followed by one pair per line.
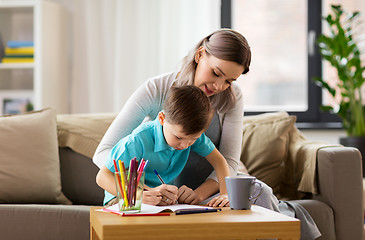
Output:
x,y
199,53
161,118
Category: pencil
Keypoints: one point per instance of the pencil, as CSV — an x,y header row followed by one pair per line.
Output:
x,y
122,176
119,182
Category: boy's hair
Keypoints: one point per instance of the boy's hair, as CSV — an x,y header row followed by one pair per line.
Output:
x,y
189,107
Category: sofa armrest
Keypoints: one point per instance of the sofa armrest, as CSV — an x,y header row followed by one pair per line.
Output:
x,y
340,182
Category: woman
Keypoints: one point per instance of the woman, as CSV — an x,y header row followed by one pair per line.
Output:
x,y
213,66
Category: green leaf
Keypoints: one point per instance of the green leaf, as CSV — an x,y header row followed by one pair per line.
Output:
x,y
326,108
319,82
341,49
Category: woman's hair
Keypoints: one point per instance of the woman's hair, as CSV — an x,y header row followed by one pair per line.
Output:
x,y
189,107
225,44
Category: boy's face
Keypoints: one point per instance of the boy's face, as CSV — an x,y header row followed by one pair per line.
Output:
x,y
175,136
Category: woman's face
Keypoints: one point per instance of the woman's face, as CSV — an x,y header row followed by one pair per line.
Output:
x,y
214,75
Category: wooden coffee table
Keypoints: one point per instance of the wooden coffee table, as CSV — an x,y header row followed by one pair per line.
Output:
x,y
257,223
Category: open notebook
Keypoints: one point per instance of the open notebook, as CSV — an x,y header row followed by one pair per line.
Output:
x,y
147,209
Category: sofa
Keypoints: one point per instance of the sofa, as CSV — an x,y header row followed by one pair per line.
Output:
x,y
53,200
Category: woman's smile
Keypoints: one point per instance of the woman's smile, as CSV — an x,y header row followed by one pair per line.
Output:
x,y
207,91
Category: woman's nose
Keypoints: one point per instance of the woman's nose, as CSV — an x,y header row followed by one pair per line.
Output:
x,y
218,85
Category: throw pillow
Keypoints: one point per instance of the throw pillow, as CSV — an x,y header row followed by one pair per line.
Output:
x,y
83,132
265,146
30,170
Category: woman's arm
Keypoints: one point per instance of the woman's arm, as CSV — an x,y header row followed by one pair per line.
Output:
x,y
146,101
231,135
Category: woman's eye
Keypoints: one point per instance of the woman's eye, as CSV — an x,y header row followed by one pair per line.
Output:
x,y
215,74
229,82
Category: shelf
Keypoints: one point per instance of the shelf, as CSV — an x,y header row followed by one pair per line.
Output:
x,y
17,4
45,23
16,65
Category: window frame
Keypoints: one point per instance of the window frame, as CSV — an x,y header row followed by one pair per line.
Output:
x,y
313,117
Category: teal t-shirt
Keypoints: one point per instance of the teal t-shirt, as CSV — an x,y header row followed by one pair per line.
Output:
x,y
147,141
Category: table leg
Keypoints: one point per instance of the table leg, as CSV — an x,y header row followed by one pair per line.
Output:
x,y
93,235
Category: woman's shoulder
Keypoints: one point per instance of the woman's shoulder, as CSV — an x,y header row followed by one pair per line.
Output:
x,y
163,79
236,110
237,90
160,83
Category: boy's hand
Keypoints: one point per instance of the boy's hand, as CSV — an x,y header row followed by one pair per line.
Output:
x,y
162,195
187,195
151,197
168,194
220,201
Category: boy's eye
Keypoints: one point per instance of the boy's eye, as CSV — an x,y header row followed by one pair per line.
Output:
x,y
178,137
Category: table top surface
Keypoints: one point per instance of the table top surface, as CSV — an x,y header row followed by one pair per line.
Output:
x,y
256,214
240,224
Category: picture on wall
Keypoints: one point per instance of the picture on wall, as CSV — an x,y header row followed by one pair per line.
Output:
x,y
16,105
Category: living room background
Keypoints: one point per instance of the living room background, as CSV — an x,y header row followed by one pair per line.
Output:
x,y
116,45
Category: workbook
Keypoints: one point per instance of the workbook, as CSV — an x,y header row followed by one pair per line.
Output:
x,y
150,210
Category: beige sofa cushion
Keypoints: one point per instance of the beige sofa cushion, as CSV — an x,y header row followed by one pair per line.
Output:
x,y
83,132
265,146
30,170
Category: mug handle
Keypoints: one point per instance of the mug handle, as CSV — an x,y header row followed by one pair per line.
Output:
x,y
259,193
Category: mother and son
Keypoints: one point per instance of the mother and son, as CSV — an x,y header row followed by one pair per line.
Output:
x,y
189,125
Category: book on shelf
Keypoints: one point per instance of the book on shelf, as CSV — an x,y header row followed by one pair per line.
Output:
x,y
19,56
17,60
17,44
19,51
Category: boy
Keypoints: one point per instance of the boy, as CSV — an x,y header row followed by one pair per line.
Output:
x,y
166,142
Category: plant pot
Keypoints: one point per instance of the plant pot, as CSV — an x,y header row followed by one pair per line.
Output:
x,y
357,142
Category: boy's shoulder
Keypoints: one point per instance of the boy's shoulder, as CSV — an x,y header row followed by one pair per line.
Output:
x,y
144,132
144,128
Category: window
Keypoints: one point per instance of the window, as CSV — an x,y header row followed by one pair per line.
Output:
x,y
285,58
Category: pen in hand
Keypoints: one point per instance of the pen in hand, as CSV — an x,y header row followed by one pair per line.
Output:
x,y
161,180
159,177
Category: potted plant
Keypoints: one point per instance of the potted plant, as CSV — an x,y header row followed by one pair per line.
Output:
x,y
340,49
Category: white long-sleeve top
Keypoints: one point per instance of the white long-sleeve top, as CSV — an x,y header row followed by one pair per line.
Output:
x,y
145,104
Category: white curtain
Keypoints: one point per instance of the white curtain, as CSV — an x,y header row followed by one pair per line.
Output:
x,y
117,44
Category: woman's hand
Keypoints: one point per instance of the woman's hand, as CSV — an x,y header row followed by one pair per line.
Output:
x,y
220,201
162,195
187,195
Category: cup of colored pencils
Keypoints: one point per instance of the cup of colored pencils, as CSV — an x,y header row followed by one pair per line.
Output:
x,y
130,184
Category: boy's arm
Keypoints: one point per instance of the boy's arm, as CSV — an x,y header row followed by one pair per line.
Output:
x,y
105,179
219,163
